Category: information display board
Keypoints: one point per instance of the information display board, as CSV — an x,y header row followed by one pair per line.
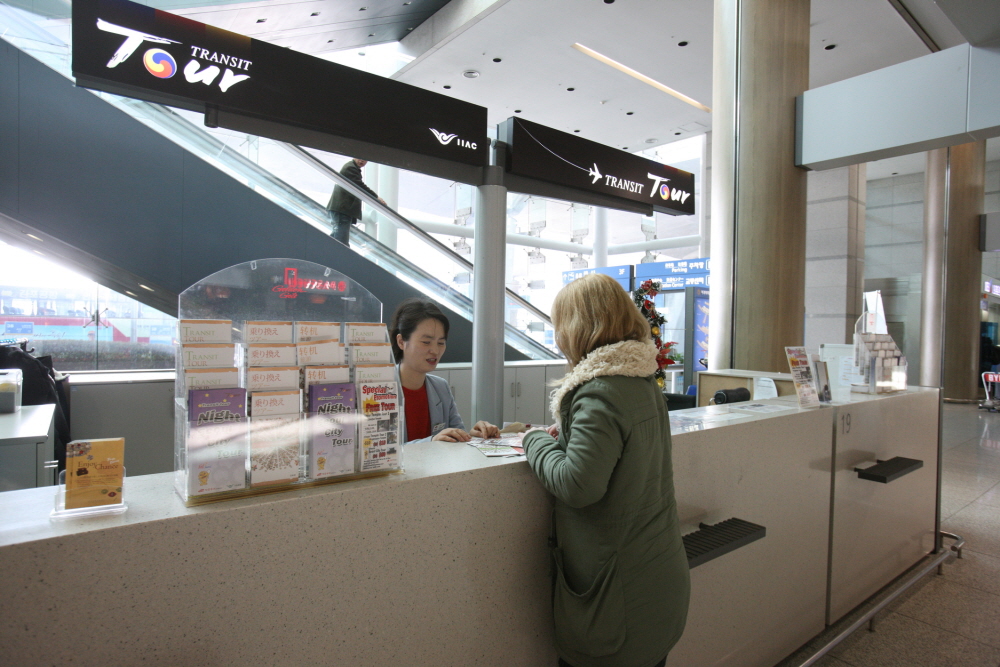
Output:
x,y
622,274
130,49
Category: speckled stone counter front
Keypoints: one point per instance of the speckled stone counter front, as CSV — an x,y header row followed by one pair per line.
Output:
x,y
444,564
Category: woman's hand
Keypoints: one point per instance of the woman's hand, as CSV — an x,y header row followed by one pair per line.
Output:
x,y
553,430
452,435
484,429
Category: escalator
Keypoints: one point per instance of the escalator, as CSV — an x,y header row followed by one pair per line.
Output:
x,y
148,202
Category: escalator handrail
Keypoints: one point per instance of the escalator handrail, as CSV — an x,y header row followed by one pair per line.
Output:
x,y
345,183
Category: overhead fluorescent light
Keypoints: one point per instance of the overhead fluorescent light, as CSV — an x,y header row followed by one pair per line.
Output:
x,y
640,76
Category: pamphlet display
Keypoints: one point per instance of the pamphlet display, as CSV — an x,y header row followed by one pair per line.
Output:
x,y
270,393
94,480
877,359
802,375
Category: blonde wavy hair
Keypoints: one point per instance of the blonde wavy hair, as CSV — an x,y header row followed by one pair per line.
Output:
x,y
592,312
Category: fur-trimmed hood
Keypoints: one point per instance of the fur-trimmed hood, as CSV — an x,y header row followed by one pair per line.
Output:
x,y
631,358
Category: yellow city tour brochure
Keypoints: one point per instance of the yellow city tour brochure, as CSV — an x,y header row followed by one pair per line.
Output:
x,y
94,471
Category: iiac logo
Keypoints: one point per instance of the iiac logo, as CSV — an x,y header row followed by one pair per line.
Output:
x,y
446,139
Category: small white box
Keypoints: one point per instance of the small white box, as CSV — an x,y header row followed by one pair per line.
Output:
x,y
208,355
371,353
211,378
255,331
205,331
375,373
366,332
271,354
305,331
272,378
321,352
273,403
326,375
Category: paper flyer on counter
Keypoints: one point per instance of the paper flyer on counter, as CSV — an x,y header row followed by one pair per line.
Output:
x,y
379,403
805,387
94,472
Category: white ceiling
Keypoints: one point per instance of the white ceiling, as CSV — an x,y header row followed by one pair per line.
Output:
x,y
534,41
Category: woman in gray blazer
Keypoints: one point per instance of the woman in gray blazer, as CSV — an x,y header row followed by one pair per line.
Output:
x,y
418,332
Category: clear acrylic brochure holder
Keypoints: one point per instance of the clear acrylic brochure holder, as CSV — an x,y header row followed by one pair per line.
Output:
x,y
260,454
60,513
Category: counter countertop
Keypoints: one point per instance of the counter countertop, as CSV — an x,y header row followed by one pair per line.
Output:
x,y
28,426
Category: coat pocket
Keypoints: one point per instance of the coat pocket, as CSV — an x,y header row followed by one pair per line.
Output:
x,y
591,623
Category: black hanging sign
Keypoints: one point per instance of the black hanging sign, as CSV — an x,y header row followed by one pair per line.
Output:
x,y
137,51
536,151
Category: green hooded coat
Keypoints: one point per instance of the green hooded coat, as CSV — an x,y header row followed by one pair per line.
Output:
x,y
621,586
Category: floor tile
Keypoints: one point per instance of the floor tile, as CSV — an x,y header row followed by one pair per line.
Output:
x,y
905,642
975,570
950,505
969,612
991,497
980,526
969,485
975,452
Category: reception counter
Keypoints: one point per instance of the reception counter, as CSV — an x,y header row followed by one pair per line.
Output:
x,y
447,563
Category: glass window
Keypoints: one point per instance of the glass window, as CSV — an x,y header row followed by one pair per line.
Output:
x,y
83,326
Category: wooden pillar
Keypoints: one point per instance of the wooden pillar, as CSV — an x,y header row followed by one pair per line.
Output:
x,y
966,195
761,63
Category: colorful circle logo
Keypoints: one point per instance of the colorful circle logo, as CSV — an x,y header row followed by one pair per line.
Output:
x,y
664,191
159,63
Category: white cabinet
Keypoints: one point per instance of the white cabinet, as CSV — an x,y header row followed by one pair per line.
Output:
x,y
524,395
461,389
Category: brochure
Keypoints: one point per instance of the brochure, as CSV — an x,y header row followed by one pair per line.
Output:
x,y
805,387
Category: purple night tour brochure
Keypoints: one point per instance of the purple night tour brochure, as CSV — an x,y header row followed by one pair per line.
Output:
x,y
217,406
331,398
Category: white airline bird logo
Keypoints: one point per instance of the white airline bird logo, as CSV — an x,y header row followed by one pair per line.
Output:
x,y
445,139
595,172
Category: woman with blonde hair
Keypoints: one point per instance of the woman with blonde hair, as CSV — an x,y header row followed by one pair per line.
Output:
x,y
621,582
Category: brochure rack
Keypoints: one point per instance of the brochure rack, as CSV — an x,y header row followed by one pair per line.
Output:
x,y
246,370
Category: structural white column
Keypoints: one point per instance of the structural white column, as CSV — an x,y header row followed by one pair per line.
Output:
x,y
488,299
835,254
705,214
388,189
932,283
600,237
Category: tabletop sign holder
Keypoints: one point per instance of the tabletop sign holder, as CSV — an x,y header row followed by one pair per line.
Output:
x,y
60,513
878,360
285,380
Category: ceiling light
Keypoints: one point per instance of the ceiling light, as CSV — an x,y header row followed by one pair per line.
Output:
x,y
650,141
517,111
371,34
684,43
314,14
40,253
629,113
145,287
363,9
330,41
32,236
447,87
641,77
470,74
361,53
571,89
609,2
261,20
576,130
407,3
496,60
830,47
132,294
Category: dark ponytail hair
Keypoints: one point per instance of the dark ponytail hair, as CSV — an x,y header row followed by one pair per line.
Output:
x,y
408,316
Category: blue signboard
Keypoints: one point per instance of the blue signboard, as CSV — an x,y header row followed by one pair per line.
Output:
x,y
623,274
19,328
677,267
